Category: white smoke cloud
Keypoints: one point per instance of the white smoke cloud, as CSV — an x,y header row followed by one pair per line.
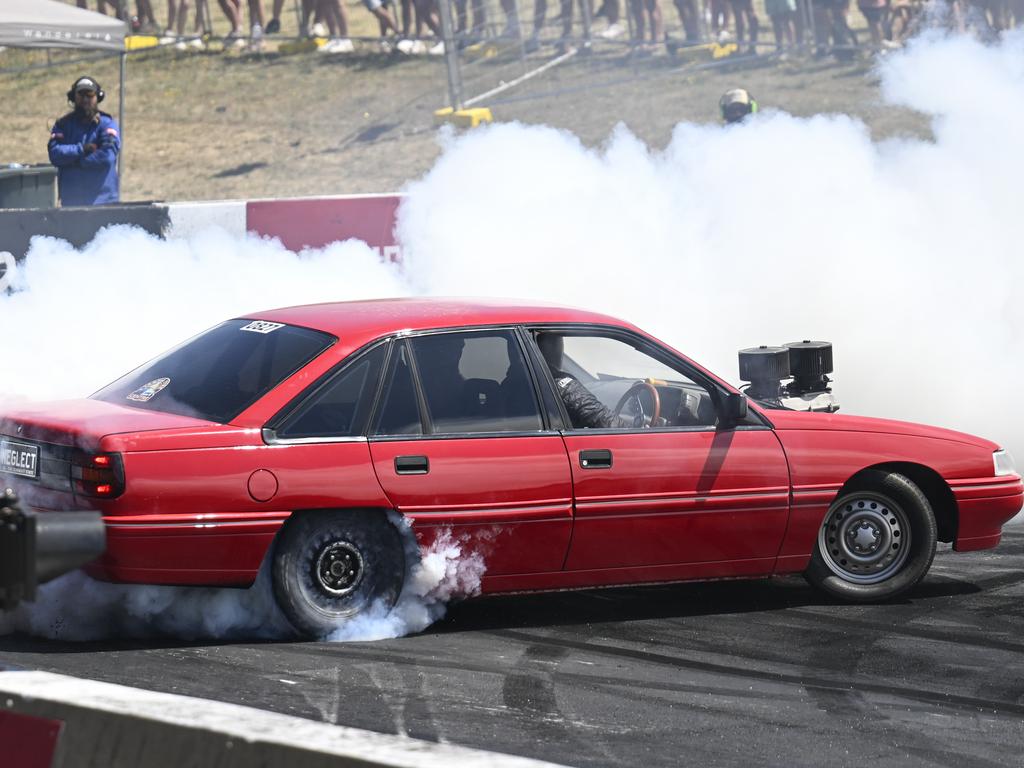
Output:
x,y
904,253
75,607
450,568
78,319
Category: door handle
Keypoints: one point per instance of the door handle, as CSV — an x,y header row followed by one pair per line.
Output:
x,y
412,465
600,458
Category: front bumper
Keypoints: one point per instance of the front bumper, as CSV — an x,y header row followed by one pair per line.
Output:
x,y
985,505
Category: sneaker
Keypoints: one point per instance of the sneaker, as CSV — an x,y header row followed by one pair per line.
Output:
x,y
196,43
318,30
387,48
437,50
273,26
256,38
411,47
531,44
339,45
613,31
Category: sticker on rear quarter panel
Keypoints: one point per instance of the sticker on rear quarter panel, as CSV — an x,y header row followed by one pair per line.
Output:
x,y
145,393
261,326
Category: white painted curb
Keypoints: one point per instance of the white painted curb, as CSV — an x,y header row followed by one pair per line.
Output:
x,y
350,746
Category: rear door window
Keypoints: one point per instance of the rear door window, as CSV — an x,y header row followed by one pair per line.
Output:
x,y
476,382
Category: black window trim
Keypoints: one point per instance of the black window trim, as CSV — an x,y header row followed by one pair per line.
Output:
x,y
269,431
645,345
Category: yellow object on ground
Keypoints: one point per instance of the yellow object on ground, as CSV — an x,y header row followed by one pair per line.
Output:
x,y
138,42
464,118
480,51
301,46
700,52
721,51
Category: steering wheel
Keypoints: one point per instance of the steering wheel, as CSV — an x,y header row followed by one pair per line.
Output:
x,y
633,393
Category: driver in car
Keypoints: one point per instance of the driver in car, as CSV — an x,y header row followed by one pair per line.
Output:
x,y
584,409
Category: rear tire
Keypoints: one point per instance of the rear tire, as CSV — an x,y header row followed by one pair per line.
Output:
x,y
876,542
332,566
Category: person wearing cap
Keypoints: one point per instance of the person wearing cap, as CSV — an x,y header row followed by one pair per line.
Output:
x,y
736,104
84,145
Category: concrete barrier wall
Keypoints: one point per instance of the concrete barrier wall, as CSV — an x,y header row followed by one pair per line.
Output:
x,y
298,223
90,724
76,225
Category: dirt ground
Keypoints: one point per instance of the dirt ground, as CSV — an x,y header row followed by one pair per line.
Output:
x,y
214,125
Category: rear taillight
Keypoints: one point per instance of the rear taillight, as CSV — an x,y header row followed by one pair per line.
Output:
x,y
97,475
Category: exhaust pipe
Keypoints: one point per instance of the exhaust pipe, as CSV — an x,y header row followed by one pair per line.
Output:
x,y
35,548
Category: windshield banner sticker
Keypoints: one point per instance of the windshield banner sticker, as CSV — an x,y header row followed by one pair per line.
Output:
x,y
261,326
145,393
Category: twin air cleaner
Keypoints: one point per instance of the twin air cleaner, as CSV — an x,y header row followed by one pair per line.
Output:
x,y
806,363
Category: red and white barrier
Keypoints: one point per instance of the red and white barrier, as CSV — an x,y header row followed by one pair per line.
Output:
x,y
306,222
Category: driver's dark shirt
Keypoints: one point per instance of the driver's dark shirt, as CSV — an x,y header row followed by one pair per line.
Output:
x,y
585,410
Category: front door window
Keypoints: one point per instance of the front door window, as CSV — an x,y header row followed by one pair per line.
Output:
x,y
607,383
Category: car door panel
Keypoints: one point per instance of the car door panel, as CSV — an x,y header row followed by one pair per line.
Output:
x,y
678,497
507,498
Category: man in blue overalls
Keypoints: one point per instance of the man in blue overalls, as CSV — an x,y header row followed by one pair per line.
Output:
x,y
84,146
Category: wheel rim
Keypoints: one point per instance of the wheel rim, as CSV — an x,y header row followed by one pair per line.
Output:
x,y
338,568
865,538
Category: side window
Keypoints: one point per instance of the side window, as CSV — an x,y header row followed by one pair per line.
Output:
x,y
476,382
341,406
399,412
607,383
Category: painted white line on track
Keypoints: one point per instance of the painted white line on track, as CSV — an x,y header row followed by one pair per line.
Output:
x,y
247,723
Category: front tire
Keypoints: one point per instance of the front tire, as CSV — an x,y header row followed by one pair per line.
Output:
x,y
877,540
332,566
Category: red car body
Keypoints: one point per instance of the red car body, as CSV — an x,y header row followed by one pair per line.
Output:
x,y
201,502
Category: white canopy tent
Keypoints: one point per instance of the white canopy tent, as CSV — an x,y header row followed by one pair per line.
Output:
x,y
51,24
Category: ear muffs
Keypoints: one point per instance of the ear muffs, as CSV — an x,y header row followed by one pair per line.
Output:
x,y
100,93
753,105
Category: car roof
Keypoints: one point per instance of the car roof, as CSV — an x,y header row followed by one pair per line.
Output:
x,y
371,319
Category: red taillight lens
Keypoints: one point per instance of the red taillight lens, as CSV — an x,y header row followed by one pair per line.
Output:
x,y
97,475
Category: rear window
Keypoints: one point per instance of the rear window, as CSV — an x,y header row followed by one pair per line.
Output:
x,y
218,374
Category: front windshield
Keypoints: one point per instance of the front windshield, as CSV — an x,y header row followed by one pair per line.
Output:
x,y
219,373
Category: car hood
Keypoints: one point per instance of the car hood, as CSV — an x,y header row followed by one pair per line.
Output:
x,y
74,422
804,420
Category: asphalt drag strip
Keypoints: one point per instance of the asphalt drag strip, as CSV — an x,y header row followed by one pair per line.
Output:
x,y
722,673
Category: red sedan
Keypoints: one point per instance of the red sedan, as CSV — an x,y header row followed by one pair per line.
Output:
x,y
574,450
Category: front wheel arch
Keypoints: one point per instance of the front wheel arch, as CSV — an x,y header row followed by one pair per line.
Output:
x,y
933,486
877,540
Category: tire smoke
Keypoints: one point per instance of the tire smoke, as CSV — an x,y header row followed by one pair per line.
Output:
x,y
76,607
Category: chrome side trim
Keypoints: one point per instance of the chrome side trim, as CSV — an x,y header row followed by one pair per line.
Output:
x,y
270,438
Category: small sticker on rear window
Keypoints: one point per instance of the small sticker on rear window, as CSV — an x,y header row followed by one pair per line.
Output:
x,y
145,393
261,326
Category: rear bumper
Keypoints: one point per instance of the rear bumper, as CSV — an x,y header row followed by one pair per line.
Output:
x,y
985,505
224,549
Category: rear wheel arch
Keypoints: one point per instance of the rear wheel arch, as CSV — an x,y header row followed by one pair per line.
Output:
x,y
372,547
932,485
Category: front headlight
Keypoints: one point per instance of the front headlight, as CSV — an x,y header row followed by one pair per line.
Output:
x,y
1003,463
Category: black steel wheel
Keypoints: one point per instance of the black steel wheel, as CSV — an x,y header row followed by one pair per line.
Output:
x,y
331,566
877,540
